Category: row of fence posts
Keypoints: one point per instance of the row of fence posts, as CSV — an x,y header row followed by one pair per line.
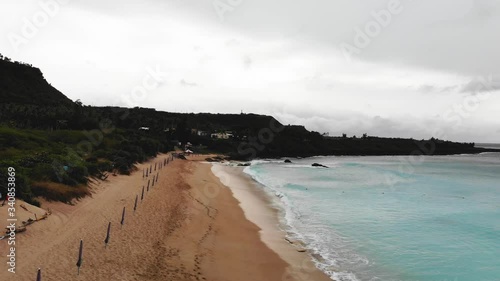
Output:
x,y
145,174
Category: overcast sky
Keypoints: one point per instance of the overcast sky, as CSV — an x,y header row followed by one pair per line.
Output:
x,y
383,67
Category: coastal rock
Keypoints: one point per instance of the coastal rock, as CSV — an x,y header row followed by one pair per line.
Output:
x,y
214,159
244,164
319,165
288,161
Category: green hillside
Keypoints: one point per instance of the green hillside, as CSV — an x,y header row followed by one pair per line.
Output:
x,y
23,84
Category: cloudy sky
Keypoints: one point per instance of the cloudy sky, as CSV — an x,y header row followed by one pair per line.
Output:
x,y
383,67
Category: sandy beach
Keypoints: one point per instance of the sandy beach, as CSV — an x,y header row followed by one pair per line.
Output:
x,y
188,227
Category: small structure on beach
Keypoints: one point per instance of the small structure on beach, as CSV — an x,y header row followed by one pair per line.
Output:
x,y
123,217
39,275
106,240
80,257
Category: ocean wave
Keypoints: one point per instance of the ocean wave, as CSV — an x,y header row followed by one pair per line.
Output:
x,y
343,276
324,257
300,164
375,207
267,161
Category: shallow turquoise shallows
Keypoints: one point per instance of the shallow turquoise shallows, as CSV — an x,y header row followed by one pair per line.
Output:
x,y
392,218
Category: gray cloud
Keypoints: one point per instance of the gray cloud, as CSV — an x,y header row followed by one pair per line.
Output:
x,y
450,35
427,89
432,89
488,83
280,57
184,83
247,61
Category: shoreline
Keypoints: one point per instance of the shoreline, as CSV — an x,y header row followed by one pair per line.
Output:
x,y
189,227
258,208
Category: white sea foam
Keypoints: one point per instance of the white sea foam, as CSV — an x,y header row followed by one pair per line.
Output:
x,y
421,220
324,258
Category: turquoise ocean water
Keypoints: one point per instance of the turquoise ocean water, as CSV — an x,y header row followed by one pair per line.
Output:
x,y
392,217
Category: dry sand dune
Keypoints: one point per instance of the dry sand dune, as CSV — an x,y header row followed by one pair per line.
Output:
x,y
188,227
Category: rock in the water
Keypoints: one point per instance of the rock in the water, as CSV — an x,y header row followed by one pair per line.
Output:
x,y
218,159
288,161
244,164
214,159
319,165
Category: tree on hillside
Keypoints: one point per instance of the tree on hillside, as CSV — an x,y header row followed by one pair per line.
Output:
x,y
181,131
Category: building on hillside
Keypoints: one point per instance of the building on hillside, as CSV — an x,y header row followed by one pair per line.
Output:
x,y
202,133
222,135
